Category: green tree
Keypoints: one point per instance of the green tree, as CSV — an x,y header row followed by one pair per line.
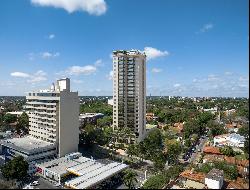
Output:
x,y
173,149
88,136
204,118
130,179
155,182
215,129
105,121
9,118
131,150
158,181
244,131
23,122
159,161
228,151
15,169
246,146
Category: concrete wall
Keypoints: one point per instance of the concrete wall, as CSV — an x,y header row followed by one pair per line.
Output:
x,y
213,184
141,91
68,123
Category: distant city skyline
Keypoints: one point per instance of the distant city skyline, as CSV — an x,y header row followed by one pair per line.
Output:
x,y
194,48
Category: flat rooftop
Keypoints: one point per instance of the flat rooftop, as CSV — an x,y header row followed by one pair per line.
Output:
x,y
27,144
89,115
15,112
93,173
90,172
215,174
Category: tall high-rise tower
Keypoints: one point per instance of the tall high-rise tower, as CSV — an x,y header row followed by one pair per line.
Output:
x,y
129,93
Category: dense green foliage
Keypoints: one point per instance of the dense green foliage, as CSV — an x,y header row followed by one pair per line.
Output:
x,y
215,128
105,121
23,123
244,131
9,118
230,171
160,180
228,151
149,147
15,169
95,135
173,149
130,179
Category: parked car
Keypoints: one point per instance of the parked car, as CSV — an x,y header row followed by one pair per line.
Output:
x,y
34,183
57,185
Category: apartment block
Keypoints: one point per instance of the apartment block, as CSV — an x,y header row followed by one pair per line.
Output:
x,y
129,92
53,126
54,115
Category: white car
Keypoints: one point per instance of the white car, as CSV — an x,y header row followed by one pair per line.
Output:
x,y
35,183
57,185
28,187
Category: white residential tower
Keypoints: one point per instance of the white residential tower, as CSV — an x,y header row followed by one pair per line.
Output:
x,y
129,92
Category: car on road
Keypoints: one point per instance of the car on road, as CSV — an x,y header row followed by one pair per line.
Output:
x,y
34,183
57,185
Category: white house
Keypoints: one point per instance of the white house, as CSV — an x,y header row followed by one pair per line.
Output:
x,y
214,179
233,140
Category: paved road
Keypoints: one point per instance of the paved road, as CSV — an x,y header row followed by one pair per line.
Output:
x,y
200,146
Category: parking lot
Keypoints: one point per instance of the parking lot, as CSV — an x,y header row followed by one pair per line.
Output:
x,y
42,183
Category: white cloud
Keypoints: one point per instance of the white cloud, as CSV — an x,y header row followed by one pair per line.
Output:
x,y
212,77
39,76
207,27
78,81
48,55
228,73
35,78
195,80
156,70
244,78
153,53
98,63
77,70
177,85
110,75
93,7
20,74
51,36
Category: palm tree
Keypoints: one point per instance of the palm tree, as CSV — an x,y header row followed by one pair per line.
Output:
x,y
130,179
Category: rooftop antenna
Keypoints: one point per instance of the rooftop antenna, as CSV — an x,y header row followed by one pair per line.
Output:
x,y
52,88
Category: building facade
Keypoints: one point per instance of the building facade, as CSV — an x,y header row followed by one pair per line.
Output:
x,y
53,116
129,92
53,126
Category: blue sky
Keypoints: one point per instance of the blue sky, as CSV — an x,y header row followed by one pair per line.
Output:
x,y
194,48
